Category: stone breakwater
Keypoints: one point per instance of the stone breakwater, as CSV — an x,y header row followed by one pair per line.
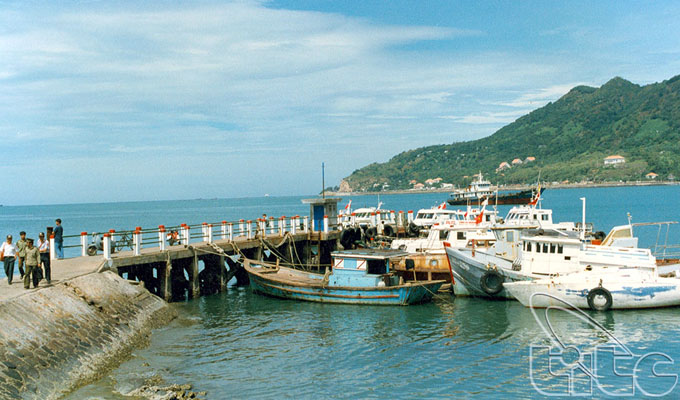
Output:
x,y
58,338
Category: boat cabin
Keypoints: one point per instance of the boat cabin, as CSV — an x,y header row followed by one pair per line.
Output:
x,y
370,216
364,268
550,251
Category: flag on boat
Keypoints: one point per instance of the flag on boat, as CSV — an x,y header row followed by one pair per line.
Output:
x,y
537,196
480,216
348,205
442,206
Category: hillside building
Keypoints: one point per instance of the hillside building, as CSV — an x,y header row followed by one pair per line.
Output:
x,y
516,161
503,166
614,160
651,175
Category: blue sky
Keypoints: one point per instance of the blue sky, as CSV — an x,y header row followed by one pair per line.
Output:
x,y
116,101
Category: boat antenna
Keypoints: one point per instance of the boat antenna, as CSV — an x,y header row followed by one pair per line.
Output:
x,y
323,181
630,223
583,219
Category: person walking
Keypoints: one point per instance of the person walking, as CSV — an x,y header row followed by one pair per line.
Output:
x,y
9,252
32,265
59,239
44,248
21,252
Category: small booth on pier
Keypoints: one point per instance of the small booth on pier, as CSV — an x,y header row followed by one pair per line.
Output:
x,y
321,207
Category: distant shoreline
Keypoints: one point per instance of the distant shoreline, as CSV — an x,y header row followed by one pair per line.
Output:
x,y
516,187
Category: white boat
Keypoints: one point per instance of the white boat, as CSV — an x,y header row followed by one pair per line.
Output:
x,y
428,255
601,289
543,253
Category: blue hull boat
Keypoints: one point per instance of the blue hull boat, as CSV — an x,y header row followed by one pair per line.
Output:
x,y
353,280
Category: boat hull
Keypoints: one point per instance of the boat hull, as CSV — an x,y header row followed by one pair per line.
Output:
x,y
664,292
515,198
406,294
468,271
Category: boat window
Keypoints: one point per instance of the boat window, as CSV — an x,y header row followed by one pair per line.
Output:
x,y
376,267
535,216
538,247
552,248
545,247
443,234
510,236
559,249
544,217
460,236
528,246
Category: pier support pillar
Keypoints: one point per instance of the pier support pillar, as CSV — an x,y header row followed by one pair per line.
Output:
x,y
195,283
165,277
222,274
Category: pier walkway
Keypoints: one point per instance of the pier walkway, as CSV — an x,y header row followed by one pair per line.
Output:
x,y
202,263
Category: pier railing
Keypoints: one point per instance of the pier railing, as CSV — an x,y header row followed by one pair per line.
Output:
x,y
163,236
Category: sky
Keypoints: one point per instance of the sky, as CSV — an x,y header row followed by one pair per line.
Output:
x,y
127,100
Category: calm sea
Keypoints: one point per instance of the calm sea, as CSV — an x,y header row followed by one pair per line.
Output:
x,y
239,344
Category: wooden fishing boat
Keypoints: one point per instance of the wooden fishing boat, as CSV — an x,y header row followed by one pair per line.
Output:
x,y
362,276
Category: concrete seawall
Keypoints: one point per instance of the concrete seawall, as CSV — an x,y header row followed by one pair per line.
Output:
x,y
57,338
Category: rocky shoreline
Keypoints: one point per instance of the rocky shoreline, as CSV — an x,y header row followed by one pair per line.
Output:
x,y
59,338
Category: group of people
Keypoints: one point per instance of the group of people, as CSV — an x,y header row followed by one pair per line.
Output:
x,y
34,257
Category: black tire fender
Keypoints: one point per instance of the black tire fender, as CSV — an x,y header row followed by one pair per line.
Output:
x,y
599,291
370,233
491,282
388,230
91,250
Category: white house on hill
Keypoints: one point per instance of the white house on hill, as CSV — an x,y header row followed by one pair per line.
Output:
x,y
613,160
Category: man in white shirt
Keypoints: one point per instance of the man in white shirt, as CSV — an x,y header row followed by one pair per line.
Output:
x,y
44,247
9,252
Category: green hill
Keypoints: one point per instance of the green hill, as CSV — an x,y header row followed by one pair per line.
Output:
x,y
568,138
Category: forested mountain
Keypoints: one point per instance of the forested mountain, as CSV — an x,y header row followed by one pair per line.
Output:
x,y
569,140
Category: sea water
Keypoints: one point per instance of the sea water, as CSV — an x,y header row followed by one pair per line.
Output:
x,y
239,344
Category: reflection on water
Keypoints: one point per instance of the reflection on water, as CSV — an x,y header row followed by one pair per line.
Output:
x,y
239,344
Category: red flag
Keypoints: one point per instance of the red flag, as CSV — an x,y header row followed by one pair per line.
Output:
x,y
442,206
348,205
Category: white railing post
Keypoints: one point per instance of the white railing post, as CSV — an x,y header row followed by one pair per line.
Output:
x,y
353,219
293,225
107,246
400,220
392,216
83,244
249,227
410,216
281,223
184,234
53,250
272,225
161,237
230,229
374,219
210,233
137,239
204,231
325,224
224,230
306,224
241,228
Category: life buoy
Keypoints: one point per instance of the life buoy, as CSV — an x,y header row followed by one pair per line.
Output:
x,y
491,282
91,250
388,230
595,298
